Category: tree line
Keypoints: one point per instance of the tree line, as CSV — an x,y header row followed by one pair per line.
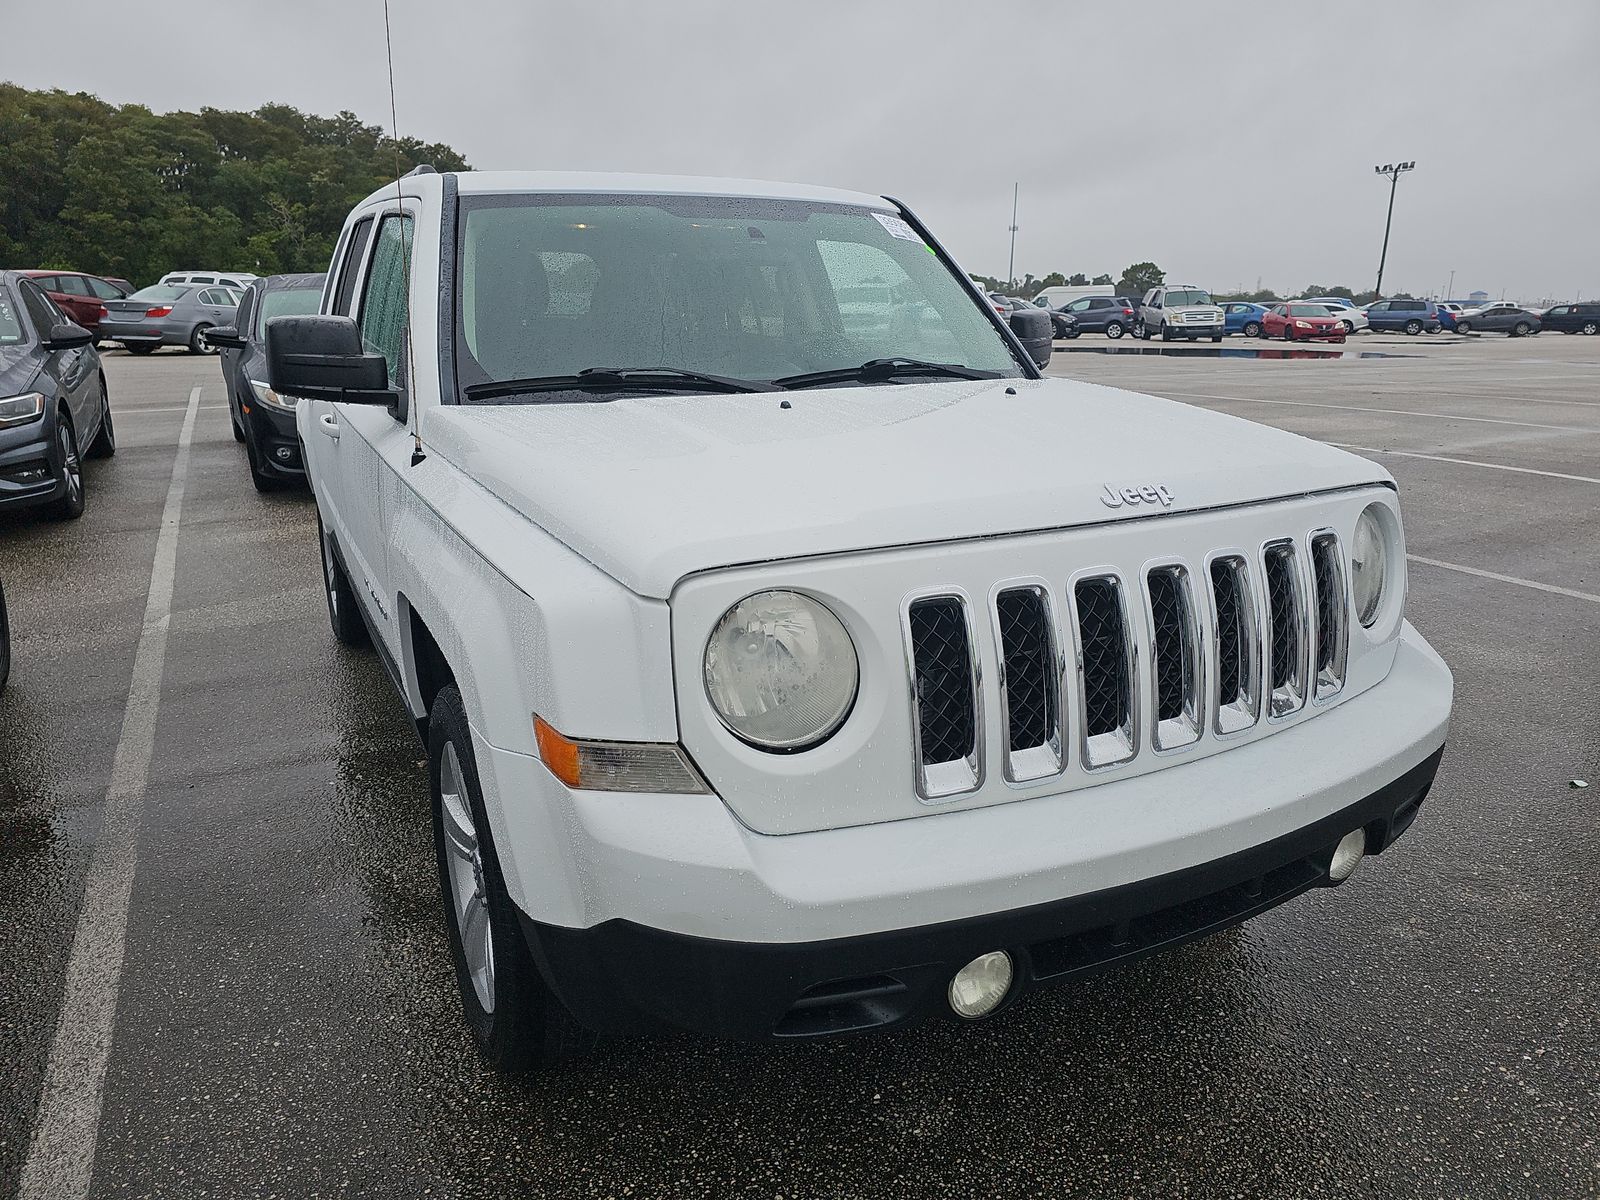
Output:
x,y
1140,277
120,190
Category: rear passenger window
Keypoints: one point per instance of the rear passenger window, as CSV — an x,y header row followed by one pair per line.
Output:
x,y
351,269
104,290
383,303
73,285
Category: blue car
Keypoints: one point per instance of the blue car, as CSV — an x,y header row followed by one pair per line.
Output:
x,y
1238,316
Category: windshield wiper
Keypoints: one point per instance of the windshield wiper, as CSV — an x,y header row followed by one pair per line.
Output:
x,y
880,369
613,379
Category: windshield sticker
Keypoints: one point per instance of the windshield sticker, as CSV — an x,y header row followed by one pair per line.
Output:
x,y
897,228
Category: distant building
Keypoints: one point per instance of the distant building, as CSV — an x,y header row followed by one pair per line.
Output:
x,y
1478,297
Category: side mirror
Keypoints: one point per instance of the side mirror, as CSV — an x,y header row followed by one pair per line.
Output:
x,y
226,335
321,358
67,337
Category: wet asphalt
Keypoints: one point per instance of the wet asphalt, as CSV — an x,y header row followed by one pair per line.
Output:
x,y
287,1025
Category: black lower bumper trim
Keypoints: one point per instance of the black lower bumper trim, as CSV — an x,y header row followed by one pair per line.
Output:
x,y
622,977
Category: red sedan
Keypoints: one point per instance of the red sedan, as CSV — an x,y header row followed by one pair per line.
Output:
x,y
1302,323
82,297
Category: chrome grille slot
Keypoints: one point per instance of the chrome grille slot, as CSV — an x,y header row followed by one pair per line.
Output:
x,y
1030,682
1333,631
1105,672
1238,652
1175,658
1287,630
947,713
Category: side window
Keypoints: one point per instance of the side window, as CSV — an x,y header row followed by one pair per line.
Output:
x,y
383,303
73,285
40,311
104,290
352,266
1379,307
211,296
202,279
247,305
48,283
1077,306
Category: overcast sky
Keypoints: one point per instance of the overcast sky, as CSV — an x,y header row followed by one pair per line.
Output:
x,y
1225,142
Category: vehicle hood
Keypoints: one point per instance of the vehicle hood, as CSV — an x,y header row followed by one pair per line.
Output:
x,y
18,366
652,489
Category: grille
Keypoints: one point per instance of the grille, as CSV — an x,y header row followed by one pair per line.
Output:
x,y
1030,683
1237,654
1104,671
944,677
1175,657
1327,568
1286,629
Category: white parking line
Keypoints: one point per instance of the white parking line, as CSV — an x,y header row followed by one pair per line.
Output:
x,y
164,408
1467,462
1397,412
1527,583
60,1158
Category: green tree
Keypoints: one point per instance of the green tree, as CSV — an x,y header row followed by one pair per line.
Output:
x,y
1140,278
1102,280
1078,280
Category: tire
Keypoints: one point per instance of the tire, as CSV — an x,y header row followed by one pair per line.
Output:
x,y
1140,332
238,430
1288,333
1591,327
348,627
1349,327
516,1022
1252,329
1166,334
105,442
1216,337
1463,326
1114,330
1413,328
5,641
140,348
69,507
197,340
1521,329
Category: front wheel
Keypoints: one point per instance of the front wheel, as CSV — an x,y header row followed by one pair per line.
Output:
x,y
1349,327
1252,329
105,442
198,342
1522,329
348,627
69,507
516,1022
1216,337
1114,330
1463,326
1413,328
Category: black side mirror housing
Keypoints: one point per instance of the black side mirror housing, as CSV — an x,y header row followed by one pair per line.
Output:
x,y
226,335
322,358
68,337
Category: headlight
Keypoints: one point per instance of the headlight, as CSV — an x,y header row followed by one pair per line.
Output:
x,y
1302,324
781,671
1369,564
269,397
19,410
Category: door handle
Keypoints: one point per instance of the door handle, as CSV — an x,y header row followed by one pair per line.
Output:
x,y
329,425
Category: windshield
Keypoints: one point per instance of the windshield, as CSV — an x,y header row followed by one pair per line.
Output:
x,y
750,288
159,291
10,327
1191,296
1309,310
290,302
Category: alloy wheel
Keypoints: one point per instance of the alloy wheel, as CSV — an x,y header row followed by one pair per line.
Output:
x,y
469,896
70,466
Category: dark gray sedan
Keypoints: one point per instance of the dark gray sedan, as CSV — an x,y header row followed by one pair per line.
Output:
x,y
169,315
1499,318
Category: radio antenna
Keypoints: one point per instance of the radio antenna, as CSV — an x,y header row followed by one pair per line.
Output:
x,y
405,243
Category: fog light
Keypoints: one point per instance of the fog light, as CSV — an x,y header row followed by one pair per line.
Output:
x,y
978,988
1347,855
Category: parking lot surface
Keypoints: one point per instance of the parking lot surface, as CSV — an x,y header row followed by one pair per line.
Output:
x,y
285,1017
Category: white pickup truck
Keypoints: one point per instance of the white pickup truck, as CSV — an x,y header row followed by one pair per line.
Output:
x,y
788,672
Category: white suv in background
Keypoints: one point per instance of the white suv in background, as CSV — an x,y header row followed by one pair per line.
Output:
x,y
1345,312
794,659
1176,311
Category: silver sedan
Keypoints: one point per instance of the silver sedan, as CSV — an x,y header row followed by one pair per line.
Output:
x,y
169,315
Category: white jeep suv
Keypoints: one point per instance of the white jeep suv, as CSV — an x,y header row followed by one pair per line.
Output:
x,y
1175,312
788,669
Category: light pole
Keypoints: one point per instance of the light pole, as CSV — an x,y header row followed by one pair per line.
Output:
x,y
1011,263
1450,294
1393,171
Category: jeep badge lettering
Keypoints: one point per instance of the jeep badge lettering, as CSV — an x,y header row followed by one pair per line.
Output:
x,y
1142,494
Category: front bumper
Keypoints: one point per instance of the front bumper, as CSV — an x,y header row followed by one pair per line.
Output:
x,y
625,977
274,438
633,898
20,464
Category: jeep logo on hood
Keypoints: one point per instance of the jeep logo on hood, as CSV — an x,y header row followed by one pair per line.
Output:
x,y
1144,493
